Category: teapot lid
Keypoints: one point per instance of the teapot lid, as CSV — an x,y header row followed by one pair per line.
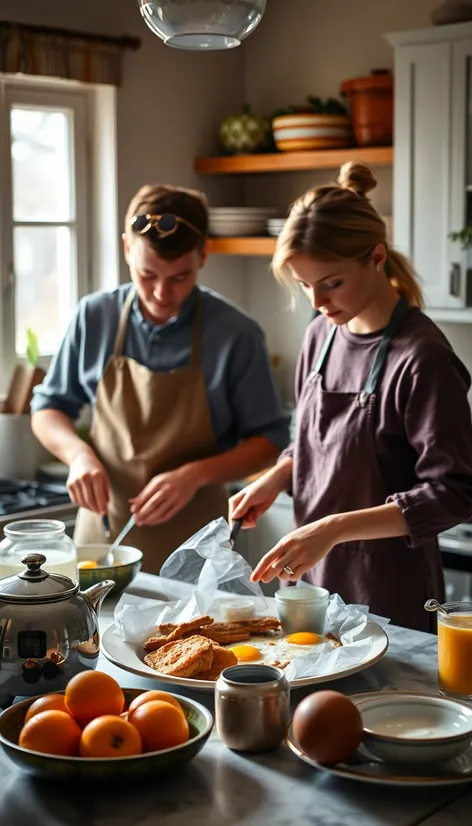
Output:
x,y
36,585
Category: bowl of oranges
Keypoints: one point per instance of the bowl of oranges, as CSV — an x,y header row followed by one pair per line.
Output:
x,y
127,564
97,731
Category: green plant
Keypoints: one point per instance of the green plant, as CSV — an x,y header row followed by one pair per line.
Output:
x,y
464,236
32,348
314,106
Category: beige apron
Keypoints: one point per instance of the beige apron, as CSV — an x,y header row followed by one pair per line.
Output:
x,y
145,423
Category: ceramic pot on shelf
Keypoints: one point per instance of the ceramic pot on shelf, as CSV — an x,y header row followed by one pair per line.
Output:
x,y
371,100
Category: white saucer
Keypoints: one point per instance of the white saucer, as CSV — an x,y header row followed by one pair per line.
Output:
x,y
364,767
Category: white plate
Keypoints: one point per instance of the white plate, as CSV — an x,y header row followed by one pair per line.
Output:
x,y
364,767
130,657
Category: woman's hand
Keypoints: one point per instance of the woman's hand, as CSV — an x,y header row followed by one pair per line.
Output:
x,y
165,495
87,483
304,547
299,550
251,502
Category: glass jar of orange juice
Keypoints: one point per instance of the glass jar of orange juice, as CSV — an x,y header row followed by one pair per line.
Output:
x,y
455,650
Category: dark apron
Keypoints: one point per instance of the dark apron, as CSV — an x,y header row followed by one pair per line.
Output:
x,y
336,436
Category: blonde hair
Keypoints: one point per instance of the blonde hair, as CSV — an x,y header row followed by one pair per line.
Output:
x,y
336,222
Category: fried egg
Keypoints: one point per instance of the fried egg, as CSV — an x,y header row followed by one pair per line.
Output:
x,y
246,653
276,649
303,638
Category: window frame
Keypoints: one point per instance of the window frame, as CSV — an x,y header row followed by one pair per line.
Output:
x,y
54,96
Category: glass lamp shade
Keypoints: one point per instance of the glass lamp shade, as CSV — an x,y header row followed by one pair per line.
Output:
x,y
202,24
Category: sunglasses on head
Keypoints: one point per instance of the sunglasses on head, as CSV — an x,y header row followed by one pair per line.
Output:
x,y
164,225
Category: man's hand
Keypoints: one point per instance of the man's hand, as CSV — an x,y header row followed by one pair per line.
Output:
x,y
88,483
165,495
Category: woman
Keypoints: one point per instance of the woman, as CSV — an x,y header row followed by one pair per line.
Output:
x,y
179,382
382,457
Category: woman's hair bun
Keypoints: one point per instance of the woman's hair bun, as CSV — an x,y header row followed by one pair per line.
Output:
x,y
357,177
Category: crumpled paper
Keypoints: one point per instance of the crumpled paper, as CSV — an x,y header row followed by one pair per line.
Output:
x,y
194,579
347,623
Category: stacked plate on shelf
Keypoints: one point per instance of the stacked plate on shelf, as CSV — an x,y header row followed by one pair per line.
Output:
x,y
275,226
240,221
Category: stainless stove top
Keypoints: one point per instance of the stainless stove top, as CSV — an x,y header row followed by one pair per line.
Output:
x,y
26,499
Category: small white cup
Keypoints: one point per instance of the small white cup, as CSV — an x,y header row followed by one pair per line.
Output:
x,y
302,608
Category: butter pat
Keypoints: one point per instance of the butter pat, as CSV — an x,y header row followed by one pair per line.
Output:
x,y
237,609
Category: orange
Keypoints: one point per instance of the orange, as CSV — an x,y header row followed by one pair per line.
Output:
x,y
160,725
46,703
110,736
149,696
91,694
52,732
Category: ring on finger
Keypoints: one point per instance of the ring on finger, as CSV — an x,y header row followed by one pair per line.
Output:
x,y
288,570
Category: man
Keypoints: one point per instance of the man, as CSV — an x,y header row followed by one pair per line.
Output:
x,y
179,382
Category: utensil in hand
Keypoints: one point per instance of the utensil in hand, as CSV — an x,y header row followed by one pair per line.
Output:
x,y
119,539
106,525
107,561
237,525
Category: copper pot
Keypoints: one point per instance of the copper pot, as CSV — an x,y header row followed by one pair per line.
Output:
x,y
371,100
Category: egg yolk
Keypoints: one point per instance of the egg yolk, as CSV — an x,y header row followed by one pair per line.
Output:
x,y
87,563
303,638
246,653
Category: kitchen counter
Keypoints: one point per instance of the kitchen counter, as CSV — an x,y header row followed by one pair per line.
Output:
x,y
223,788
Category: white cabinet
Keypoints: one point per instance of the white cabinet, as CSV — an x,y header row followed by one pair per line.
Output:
x,y
433,160
270,528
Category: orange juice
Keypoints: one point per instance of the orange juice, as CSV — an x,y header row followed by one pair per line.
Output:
x,y
455,654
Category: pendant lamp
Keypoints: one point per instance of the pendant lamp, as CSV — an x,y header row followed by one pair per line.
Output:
x,y
203,25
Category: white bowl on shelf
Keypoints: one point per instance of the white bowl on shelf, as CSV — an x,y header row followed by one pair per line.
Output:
x,y
308,131
404,727
240,221
275,226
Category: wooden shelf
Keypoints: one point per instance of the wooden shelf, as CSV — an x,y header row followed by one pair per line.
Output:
x,y
242,246
291,161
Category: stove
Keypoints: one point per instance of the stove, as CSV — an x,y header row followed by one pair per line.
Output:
x,y
27,499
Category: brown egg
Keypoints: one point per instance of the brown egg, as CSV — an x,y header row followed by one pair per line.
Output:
x,y
327,726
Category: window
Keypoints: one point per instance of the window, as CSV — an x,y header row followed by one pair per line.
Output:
x,y
45,179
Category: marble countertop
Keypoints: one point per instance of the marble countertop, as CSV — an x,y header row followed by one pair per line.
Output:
x,y
224,788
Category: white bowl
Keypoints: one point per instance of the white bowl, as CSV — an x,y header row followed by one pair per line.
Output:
x,y
415,728
311,131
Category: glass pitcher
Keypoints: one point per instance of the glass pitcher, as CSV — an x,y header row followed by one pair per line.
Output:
x,y
46,536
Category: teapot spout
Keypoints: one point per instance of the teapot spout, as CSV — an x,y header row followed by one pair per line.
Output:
x,y
97,593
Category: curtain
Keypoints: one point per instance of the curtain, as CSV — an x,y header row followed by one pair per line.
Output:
x,y
37,50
